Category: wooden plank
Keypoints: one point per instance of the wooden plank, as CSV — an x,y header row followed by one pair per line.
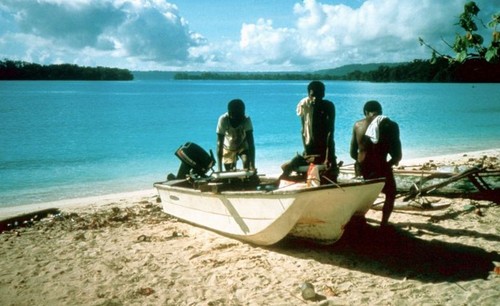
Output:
x,y
454,178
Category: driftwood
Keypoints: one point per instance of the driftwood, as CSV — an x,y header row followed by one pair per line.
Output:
x,y
484,179
475,175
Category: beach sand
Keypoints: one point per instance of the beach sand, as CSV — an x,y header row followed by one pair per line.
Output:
x,y
123,250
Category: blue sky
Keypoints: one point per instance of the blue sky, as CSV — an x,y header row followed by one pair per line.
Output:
x,y
235,35
228,16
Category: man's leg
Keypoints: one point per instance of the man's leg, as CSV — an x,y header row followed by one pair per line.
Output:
x,y
245,160
229,158
387,209
390,198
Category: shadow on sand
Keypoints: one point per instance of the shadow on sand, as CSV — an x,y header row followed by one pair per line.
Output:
x,y
396,253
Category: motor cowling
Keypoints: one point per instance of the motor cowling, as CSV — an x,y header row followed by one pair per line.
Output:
x,y
194,159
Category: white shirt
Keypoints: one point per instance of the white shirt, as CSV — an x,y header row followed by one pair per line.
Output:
x,y
234,137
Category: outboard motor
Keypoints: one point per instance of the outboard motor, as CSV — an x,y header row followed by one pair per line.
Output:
x,y
194,159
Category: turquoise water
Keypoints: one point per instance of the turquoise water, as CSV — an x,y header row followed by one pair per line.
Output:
x,y
72,139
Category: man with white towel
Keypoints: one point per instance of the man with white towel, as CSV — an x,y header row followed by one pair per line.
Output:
x,y
374,139
317,117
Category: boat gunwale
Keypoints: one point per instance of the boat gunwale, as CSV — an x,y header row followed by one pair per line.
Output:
x,y
169,185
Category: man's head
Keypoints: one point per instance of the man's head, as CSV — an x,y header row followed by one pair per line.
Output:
x,y
236,111
372,108
316,89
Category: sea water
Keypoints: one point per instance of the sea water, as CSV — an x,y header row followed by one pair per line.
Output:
x,y
68,139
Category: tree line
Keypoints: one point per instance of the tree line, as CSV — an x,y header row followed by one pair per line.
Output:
x,y
436,70
20,70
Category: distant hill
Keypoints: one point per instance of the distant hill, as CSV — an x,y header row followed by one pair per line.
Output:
x,y
345,70
334,72
440,70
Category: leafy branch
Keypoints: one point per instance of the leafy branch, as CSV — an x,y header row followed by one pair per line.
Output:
x,y
470,44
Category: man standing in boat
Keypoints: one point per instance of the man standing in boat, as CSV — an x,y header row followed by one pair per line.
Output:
x,y
235,138
374,138
318,125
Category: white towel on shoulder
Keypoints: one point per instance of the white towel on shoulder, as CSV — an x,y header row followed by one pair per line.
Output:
x,y
305,110
373,129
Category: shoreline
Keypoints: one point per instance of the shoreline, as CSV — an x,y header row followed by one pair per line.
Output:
x,y
455,158
7,212
76,203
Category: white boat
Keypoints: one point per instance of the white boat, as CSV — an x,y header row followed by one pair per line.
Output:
x,y
257,211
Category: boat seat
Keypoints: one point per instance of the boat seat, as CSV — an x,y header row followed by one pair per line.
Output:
x,y
233,174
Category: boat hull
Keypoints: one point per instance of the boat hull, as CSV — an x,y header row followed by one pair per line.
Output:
x,y
266,217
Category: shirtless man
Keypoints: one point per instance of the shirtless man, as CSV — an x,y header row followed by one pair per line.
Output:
x,y
374,138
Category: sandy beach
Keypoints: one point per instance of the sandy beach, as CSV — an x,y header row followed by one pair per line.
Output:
x,y
123,250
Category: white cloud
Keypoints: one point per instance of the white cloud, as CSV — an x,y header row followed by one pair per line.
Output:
x,y
262,44
332,35
378,31
142,30
152,34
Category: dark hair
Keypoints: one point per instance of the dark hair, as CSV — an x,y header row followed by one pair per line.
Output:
x,y
236,105
372,107
318,88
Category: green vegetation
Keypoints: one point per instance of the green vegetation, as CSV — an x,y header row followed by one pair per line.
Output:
x,y
473,61
438,70
346,69
18,70
416,71
469,45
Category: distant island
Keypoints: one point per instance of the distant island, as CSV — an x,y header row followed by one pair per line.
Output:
x,y
425,71
19,70
471,71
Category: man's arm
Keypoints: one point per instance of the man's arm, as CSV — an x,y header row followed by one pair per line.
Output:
x,y
251,150
220,146
395,150
354,144
330,142
302,129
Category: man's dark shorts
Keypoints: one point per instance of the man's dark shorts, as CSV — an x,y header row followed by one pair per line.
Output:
x,y
370,172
